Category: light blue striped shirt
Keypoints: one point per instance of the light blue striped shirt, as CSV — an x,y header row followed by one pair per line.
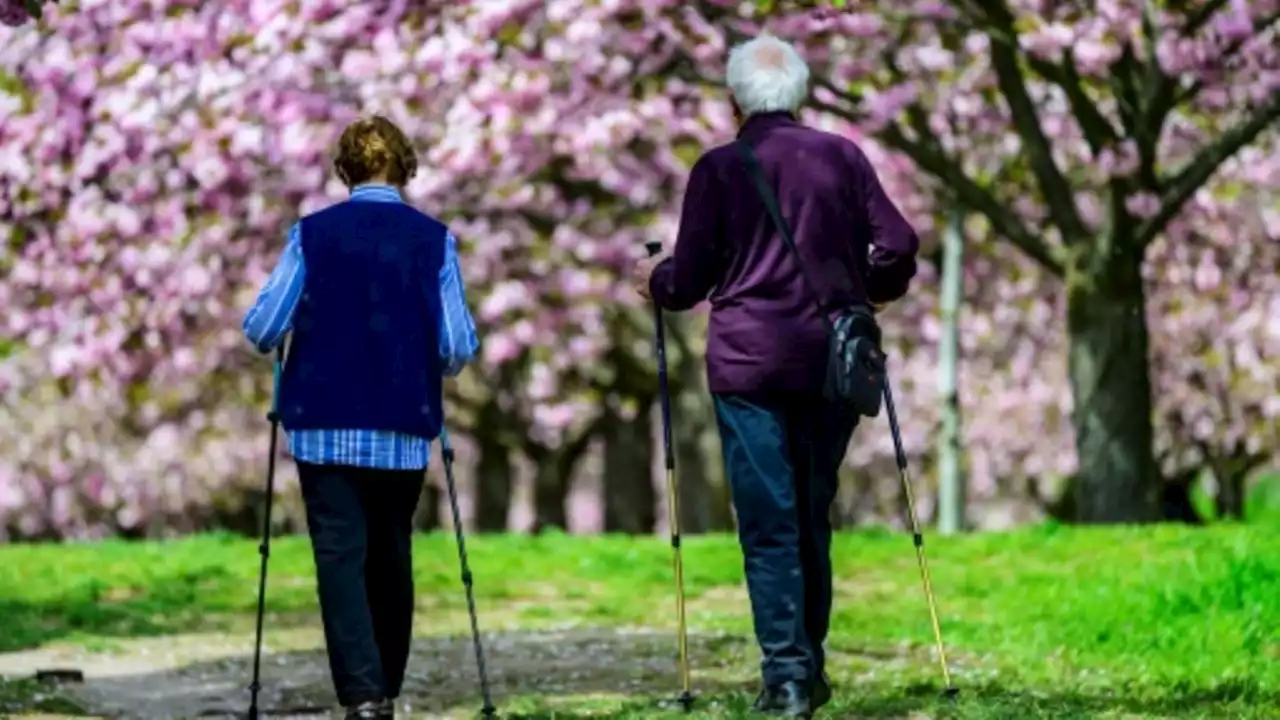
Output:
x,y
271,318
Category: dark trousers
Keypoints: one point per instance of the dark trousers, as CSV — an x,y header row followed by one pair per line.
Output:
x,y
782,456
361,525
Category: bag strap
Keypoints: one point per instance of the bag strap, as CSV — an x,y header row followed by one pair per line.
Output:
x,y
771,205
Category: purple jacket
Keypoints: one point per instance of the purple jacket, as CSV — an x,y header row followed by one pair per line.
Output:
x,y
765,333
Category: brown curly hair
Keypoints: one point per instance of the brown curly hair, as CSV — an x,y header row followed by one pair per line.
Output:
x,y
375,147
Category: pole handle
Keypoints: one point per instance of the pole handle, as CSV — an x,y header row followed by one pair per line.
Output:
x,y
277,370
446,448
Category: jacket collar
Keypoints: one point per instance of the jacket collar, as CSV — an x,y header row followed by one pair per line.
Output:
x,y
761,121
376,192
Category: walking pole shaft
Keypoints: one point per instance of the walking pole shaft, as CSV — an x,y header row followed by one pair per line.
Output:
x,y
917,536
673,499
446,452
673,513
264,548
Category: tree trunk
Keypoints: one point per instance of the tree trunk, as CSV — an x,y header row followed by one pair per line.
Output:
x,y
630,502
951,482
550,496
1230,500
493,486
427,517
553,474
1111,389
697,497
1230,473
704,504
1175,498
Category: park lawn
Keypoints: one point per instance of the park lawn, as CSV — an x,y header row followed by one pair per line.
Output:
x,y
1051,622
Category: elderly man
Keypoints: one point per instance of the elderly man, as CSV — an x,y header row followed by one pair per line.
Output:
x,y
767,344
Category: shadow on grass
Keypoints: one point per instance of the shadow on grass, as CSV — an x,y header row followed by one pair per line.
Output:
x,y
24,696
25,625
987,702
595,673
523,667
172,599
996,700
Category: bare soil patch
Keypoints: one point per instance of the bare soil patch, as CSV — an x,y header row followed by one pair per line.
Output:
x,y
207,676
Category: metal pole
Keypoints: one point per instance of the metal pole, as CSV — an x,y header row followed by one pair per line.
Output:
x,y
264,548
673,498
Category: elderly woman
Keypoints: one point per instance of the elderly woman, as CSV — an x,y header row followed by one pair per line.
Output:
x,y
371,290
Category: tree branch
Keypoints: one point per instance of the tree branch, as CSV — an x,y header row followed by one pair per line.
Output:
x,y
980,199
1196,173
934,161
1098,130
967,191
1124,87
1057,193
1201,16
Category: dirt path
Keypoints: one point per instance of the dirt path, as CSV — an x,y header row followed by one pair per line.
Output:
x,y
206,675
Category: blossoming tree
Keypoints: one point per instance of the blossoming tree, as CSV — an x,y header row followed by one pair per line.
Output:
x,y
1083,137
162,149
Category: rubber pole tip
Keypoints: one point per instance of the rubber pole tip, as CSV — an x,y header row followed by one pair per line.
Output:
x,y
653,248
686,702
951,693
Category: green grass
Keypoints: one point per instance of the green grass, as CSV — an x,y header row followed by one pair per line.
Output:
x,y
1044,623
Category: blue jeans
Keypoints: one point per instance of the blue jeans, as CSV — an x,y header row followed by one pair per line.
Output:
x,y
361,526
782,457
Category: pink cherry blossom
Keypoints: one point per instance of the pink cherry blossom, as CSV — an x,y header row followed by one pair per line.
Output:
x,y
155,154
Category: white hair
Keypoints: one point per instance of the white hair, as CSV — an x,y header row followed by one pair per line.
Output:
x,y
766,74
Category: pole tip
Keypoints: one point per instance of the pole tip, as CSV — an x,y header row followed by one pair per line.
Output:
x,y
653,248
686,701
951,693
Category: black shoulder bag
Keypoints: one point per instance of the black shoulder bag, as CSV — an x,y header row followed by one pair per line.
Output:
x,y
855,363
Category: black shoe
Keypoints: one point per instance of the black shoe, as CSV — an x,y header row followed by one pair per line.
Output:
x,y
820,693
789,699
372,710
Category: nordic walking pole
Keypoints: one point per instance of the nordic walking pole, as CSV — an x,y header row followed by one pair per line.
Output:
x,y
264,549
446,452
951,691
673,495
